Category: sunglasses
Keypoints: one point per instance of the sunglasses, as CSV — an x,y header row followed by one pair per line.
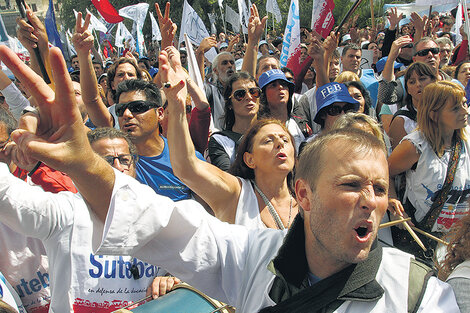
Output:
x,y
138,106
425,52
240,94
124,159
335,110
410,45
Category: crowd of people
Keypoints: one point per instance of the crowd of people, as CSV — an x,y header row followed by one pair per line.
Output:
x,y
121,176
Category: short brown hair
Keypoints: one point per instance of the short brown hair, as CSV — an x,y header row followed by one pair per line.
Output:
x,y
311,161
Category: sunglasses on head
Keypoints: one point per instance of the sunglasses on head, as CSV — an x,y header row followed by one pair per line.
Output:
x,y
425,52
240,94
410,45
334,110
138,106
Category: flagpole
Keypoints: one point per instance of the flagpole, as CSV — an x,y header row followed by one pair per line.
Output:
x,y
372,13
98,42
223,19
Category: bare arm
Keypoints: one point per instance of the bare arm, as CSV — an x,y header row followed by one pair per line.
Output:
x,y
388,73
217,188
205,45
317,52
397,131
83,41
420,25
402,158
255,30
329,46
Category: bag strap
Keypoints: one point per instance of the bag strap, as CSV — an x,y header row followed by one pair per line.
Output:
x,y
440,200
411,114
417,281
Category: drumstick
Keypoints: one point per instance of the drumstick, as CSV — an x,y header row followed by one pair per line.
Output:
x,y
393,223
413,234
422,232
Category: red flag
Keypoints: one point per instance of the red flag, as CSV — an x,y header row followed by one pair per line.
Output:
x,y
107,11
322,16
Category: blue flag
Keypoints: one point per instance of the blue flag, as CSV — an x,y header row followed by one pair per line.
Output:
x,y
51,27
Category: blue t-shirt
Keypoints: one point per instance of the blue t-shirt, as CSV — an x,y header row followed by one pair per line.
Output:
x,y
372,85
156,172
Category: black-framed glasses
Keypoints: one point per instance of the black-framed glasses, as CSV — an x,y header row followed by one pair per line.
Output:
x,y
138,106
425,52
334,110
240,94
124,159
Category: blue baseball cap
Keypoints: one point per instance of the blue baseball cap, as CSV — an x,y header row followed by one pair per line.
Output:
x,y
332,93
273,75
262,42
379,66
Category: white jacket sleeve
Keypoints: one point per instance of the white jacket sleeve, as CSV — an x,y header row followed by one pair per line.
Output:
x,y
30,210
15,100
179,236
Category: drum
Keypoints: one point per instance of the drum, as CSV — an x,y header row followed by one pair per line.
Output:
x,y
183,299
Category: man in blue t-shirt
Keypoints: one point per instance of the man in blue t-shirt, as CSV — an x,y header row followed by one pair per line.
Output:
x,y
139,112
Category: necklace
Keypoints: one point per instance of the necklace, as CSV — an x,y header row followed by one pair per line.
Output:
x,y
272,210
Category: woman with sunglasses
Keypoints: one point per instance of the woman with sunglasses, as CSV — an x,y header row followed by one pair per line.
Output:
x,y
403,122
277,101
258,193
436,162
241,111
333,100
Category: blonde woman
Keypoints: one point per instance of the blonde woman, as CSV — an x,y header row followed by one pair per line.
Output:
x,y
436,160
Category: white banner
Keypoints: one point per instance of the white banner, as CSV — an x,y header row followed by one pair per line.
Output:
x,y
192,25
244,15
232,18
156,35
272,7
137,13
123,34
96,23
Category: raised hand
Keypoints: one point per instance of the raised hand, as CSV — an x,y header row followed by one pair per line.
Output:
x,y
256,25
331,43
418,21
167,27
82,38
394,19
316,50
34,35
233,42
206,44
57,136
398,44
172,72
